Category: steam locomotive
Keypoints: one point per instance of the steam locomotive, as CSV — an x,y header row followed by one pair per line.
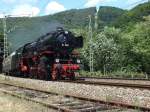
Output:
x,y
50,57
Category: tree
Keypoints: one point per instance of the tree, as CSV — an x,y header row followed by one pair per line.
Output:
x,y
107,51
139,46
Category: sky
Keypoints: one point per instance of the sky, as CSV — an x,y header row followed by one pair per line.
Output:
x,y
45,7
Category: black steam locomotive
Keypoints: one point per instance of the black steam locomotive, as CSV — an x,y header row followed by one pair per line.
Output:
x,y
52,56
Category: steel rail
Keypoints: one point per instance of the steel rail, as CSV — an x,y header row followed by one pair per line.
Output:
x,y
111,78
102,83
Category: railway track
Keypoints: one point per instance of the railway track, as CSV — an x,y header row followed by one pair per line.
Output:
x,y
140,84
56,101
123,85
132,79
98,101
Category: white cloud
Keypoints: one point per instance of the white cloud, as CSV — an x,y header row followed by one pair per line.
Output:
x,y
91,3
1,15
25,10
54,7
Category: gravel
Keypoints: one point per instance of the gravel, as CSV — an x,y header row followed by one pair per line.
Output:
x,y
105,93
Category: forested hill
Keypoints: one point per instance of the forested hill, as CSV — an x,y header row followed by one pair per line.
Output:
x,y
70,18
133,16
77,18
107,15
74,18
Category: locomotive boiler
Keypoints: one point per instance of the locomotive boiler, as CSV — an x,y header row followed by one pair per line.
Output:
x,y
50,57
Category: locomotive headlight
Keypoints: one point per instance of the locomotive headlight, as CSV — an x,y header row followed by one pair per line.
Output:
x,y
78,61
66,32
57,60
66,45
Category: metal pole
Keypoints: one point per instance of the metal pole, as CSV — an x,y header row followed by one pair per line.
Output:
x,y
96,21
91,43
6,48
6,45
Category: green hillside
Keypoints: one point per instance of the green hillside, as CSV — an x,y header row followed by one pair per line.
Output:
x,y
107,15
133,16
75,18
